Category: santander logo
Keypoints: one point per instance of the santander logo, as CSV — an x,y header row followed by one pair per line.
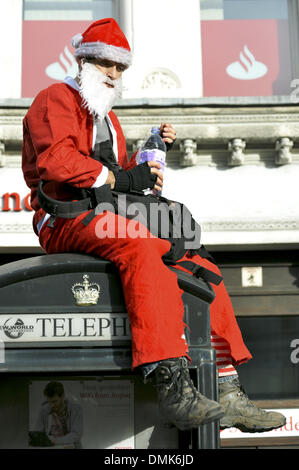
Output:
x,y
247,68
66,66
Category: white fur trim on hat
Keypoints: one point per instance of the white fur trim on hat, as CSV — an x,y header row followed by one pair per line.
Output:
x,y
105,51
76,40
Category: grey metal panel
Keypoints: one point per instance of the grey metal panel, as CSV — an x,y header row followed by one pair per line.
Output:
x,y
66,359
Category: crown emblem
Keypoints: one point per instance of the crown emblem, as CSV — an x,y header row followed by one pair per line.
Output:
x,y
86,293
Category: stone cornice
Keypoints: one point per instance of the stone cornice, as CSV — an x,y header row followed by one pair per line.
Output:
x,y
207,226
250,226
209,125
16,228
239,101
204,129
216,126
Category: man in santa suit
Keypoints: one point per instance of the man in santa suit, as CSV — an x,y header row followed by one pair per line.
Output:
x,y
74,142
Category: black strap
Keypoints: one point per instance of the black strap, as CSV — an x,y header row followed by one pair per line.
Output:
x,y
71,209
202,252
200,271
90,216
64,209
51,222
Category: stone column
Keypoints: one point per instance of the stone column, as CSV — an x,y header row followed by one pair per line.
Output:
x,y
293,8
126,21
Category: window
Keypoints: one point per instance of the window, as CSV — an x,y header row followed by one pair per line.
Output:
x,y
67,10
247,47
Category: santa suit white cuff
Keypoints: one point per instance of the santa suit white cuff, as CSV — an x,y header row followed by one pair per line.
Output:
x,y
102,178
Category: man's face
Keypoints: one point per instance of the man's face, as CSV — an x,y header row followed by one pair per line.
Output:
x,y
56,402
112,70
100,82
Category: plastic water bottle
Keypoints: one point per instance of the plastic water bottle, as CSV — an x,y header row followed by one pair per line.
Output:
x,y
154,149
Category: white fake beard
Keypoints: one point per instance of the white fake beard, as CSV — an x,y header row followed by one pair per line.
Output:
x,y
97,97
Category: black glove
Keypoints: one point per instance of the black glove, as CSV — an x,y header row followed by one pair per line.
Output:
x,y
137,179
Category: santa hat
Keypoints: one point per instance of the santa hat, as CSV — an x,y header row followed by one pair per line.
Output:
x,y
103,39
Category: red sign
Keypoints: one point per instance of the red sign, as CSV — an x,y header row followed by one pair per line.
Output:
x,y
245,57
47,55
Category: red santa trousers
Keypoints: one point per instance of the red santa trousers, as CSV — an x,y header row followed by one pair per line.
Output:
x,y
152,295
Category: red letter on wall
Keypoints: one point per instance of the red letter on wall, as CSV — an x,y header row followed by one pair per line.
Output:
x,y
6,200
27,202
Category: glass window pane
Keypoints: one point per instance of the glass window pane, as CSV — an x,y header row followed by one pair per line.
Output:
x,y
67,9
255,9
245,47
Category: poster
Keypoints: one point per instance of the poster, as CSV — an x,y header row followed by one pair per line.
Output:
x,y
246,57
47,54
90,414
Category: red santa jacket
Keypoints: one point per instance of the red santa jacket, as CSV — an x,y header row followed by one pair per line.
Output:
x,y
57,144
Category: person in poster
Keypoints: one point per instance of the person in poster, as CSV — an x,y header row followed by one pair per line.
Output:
x,y
59,422
73,141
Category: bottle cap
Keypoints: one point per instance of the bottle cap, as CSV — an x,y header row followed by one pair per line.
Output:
x,y
155,130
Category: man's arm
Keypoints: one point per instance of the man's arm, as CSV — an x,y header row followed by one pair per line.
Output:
x,y
54,127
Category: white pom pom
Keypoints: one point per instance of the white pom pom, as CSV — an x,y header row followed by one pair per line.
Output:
x,y
76,40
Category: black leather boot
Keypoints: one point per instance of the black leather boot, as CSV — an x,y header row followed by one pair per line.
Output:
x,y
180,404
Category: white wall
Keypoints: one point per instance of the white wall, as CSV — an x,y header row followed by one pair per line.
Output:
x,y
15,226
166,42
11,48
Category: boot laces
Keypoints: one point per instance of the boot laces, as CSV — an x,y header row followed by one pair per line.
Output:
x,y
180,380
243,395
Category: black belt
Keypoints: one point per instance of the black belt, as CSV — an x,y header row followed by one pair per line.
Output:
x,y
71,209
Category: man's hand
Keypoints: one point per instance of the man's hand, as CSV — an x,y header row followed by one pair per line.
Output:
x,y
155,170
110,179
138,178
167,133
154,166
